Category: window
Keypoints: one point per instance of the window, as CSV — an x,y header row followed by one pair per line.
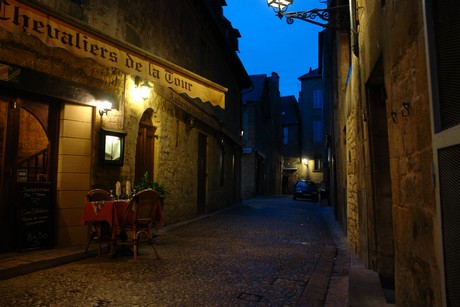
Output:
x,y
317,131
318,165
443,27
446,26
318,100
285,135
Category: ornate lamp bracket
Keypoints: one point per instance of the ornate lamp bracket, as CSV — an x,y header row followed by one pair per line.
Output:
x,y
335,18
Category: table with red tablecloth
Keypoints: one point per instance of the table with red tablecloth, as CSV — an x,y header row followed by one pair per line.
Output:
x,y
109,211
113,213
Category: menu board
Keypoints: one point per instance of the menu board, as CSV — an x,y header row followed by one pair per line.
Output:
x,y
35,218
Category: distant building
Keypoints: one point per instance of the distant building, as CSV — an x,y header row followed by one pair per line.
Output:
x,y
292,166
262,137
311,104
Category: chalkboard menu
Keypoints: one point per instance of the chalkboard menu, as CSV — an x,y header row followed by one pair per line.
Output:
x,y
36,223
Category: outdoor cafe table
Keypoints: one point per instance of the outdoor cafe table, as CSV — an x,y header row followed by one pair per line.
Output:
x,y
113,212
105,211
109,211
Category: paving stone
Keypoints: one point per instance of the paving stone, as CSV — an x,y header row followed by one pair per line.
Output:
x,y
258,253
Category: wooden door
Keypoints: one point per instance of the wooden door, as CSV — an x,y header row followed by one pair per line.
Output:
x,y
145,150
201,174
27,166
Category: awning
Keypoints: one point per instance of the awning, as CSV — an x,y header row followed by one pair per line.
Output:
x,y
110,52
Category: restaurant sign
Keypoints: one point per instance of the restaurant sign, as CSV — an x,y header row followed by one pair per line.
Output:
x,y
17,17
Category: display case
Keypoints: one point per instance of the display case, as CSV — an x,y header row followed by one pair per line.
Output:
x,y
112,147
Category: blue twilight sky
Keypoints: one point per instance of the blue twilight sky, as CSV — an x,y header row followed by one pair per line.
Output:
x,y
268,44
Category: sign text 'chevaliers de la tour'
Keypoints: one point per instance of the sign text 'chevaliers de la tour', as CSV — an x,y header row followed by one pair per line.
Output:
x,y
16,17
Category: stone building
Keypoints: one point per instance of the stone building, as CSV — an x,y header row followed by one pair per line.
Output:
x,y
311,105
293,169
62,61
262,137
396,143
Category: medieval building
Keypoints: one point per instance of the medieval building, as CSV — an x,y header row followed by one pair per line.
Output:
x,y
311,105
98,92
395,142
262,137
293,169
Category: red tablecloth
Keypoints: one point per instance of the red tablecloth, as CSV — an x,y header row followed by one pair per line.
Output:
x,y
113,211
109,211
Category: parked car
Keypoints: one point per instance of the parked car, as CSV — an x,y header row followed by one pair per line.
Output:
x,y
306,190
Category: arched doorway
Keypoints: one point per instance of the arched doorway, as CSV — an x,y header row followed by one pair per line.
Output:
x,y
145,147
27,172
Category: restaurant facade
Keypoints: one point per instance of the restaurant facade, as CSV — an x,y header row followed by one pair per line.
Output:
x,y
93,93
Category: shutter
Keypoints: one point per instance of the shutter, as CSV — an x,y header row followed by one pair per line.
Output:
x,y
449,179
447,44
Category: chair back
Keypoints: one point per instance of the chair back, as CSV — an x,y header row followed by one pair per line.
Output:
x,y
97,195
143,208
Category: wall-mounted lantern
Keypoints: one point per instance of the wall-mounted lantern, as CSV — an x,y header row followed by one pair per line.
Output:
x,y
143,88
104,107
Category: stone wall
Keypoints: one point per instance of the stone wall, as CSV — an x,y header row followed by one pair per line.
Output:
x,y
414,205
392,33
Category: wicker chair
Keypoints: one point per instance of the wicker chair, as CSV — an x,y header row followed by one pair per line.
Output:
x,y
97,231
143,214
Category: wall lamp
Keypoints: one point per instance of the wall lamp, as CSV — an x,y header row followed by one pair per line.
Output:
x,y
189,121
335,18
144,88
104,107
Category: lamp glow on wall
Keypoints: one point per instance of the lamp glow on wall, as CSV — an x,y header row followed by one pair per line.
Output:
x,y
141,90
305,162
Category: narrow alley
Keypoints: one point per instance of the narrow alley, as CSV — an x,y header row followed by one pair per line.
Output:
x,y
264,251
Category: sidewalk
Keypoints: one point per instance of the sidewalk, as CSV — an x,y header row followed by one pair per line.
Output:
x,y
350,283
363,285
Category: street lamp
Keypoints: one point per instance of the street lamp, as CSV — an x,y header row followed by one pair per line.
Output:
x,y
279,5
335,18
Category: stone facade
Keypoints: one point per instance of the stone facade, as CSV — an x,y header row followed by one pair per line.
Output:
x,y
385,143
292,166
262,137
193,41
311,105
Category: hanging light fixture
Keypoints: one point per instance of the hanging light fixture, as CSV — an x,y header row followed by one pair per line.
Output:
x,y
335,18
279,6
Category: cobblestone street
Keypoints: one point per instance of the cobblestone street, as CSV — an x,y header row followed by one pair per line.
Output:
x,y
263,252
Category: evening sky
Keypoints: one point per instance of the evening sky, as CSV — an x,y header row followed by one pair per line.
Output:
x,y
268,44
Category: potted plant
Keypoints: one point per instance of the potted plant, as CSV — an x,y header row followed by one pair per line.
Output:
x,y
146,183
